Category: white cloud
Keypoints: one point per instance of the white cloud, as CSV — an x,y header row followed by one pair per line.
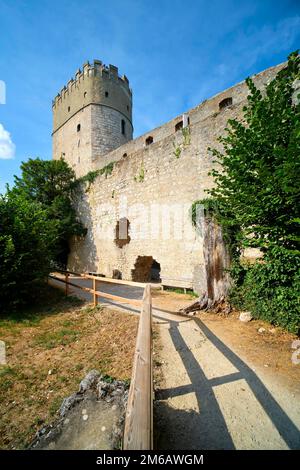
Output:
x,y
250,46
270,39
254,44
7,147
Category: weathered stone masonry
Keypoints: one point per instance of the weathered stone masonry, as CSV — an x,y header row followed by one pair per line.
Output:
x,y
92,115
166,176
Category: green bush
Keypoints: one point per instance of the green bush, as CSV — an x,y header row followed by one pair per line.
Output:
x,y
27,239
51,184
270,289
37,220
256,198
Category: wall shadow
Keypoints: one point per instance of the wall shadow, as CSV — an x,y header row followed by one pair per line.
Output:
x,y
207,428
83,251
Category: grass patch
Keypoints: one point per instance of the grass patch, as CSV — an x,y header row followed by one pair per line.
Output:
x,y
108,378
6,370
55,405
6,378
49,351
50,302
180,290
53,339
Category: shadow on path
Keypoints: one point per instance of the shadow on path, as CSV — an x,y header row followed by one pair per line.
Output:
x,y
208,427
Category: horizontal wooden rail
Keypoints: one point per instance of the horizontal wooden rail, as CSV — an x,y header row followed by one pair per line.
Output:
x,y
115,281
124,300
103,279
87,289
138,432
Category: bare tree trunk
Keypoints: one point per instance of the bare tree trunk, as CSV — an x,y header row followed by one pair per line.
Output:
x,y
217,261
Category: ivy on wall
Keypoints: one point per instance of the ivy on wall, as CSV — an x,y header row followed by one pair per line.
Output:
x,y
256,198
178,147
92,175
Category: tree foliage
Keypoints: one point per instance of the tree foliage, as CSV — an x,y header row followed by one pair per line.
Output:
x,y
27,240
36,221
256,196
51,183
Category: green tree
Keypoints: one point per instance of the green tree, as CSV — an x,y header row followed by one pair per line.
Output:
x,y
51,184
27,241
256,196
37,220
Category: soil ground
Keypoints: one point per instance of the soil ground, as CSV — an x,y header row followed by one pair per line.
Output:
x,y
220,384
270,350
49,350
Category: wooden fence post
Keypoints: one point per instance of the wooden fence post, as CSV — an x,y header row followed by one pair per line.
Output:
x,y
67,284
94,293
138,432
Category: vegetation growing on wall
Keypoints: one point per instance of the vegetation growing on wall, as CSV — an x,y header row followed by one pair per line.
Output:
x,y
92,175
177,150
186,133
256,198
141,175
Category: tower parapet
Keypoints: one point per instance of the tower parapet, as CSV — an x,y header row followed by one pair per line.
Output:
x,y
101,101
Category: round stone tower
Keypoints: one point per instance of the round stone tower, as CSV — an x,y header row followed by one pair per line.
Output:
x,y
92,115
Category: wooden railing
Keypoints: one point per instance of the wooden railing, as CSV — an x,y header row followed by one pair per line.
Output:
x,y
138,432
93,290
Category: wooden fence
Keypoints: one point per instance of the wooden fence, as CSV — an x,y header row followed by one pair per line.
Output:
x,y
138,432
95,282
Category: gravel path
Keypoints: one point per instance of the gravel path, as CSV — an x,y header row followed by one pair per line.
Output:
x,y
208,398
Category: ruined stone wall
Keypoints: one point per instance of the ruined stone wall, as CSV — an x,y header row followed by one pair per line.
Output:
x,y
207,109
156,175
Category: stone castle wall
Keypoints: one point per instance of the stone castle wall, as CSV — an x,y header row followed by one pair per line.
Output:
x,y
147,184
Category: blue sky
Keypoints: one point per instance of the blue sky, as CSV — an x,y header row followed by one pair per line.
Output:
x,y
175,53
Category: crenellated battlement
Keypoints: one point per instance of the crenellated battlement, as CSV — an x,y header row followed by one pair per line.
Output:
x,y
92,115
97,69
94,84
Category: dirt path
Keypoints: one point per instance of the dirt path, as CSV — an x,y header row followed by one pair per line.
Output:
x,y
219,385
209,398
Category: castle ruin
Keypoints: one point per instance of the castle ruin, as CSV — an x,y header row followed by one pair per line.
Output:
x,y
137,211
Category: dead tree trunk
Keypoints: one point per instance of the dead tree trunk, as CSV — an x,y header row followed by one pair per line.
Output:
x,y
217,261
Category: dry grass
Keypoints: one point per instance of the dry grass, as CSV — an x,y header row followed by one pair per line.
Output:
x,y
49,351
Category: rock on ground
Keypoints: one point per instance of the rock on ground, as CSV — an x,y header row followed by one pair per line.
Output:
x,y
90,419
245,316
